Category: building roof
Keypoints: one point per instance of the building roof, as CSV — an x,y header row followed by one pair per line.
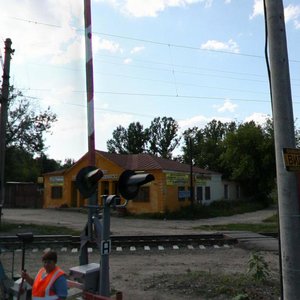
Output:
x,y
142,162
145,161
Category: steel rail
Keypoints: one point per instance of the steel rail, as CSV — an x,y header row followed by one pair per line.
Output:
x,y
119,240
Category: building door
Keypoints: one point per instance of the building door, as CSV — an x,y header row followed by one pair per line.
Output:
x,y
199,194
73,194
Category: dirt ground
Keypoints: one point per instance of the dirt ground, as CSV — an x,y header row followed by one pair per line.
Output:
x,y
143,274
136,273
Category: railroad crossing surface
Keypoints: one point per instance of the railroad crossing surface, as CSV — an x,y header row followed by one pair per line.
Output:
x,y
129,226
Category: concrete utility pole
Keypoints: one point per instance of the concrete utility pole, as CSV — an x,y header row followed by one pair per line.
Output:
x,y
3,116
288,198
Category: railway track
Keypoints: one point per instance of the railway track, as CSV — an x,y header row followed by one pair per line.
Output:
x,y
121,242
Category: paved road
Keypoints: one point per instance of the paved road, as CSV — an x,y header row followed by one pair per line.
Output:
x,y
125,226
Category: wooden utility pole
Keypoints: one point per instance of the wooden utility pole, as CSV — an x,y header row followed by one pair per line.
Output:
x,y
284,134
3,117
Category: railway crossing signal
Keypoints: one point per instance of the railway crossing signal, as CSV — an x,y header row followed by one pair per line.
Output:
x,y
130,182
87,180
87,183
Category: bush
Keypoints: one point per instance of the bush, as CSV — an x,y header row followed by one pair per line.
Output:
x,y
197,211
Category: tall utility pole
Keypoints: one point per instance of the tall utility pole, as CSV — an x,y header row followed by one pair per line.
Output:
x,y
284,134
3,115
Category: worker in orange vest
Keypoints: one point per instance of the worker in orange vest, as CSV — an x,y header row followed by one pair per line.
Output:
x,y
50,282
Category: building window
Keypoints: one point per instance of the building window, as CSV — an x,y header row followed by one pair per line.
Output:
x,y
225,191
104,187
199,194
207,193
181,193
143,195
238,192
56,192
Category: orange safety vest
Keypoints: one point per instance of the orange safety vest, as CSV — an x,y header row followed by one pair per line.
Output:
x,y
42,287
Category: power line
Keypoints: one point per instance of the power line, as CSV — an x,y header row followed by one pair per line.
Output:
x,y
147,40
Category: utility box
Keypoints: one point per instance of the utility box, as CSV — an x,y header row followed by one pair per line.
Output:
x,y
25,292
88,275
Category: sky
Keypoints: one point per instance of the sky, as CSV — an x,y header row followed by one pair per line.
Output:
x,y
192,60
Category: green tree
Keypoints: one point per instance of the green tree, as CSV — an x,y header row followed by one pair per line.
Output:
x,y
250,159
26,126
20,166
163,137
207,144
128,141
25,141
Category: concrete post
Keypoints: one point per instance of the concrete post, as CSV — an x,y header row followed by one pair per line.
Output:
x,y
288,199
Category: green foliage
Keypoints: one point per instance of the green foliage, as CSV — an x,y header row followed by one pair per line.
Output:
x,y
128,141
241,297
216,209
163,137
240,152
209,285
258,267
160,139
11,229
250,159
207,144
26,125
265,228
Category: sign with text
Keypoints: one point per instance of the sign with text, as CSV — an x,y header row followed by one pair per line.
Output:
x,y
291,158
105,247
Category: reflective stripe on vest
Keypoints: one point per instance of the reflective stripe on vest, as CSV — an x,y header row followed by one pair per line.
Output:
x,y
41,289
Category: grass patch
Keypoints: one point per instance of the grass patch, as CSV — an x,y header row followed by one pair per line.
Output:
x,y
12,229
266,228
212,286
216,209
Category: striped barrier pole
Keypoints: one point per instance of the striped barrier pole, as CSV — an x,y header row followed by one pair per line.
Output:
x,y
89,81
83,256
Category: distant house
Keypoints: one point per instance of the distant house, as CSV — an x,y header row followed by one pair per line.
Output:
x,y
169,191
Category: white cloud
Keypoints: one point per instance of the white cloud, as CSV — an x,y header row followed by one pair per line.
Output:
x,y
230,46
292,13
226,106
127,61
74,51
40,28
198,121
150,8
258,118
258,9
104,44
137,49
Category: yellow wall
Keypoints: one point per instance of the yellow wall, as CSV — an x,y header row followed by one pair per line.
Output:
x,y
163,192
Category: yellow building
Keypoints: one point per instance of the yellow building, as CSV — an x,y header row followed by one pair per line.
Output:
x,y
169,191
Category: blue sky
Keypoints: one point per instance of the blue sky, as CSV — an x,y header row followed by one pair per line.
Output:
x,y
192,60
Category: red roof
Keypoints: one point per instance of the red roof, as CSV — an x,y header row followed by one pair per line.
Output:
x,y
144,161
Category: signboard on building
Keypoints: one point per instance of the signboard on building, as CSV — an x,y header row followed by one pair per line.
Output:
x,y
291,158
177,178
56,180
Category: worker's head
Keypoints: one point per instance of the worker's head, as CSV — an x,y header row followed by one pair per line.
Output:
x,y
49,260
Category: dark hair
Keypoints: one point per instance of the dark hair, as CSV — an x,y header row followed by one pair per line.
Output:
x,y
50,255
